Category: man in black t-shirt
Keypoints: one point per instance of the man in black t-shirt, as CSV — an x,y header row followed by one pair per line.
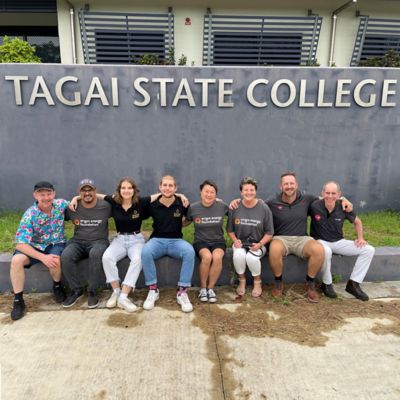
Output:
x,y
166,240
90,240
327,219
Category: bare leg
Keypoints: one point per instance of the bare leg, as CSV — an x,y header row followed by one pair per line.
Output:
x,y
56,272
241,289
216,267
314,252
205,266
17,272
257,289
276,252
125,288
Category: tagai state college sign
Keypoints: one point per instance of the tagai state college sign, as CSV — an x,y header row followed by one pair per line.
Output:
x,y
66,122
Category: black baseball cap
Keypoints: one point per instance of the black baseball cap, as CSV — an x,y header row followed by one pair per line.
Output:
x,y
43,185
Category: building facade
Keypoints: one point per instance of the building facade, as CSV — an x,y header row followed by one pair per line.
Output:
x,y
226,33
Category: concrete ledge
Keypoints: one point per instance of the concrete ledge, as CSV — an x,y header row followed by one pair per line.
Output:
x,y
385,267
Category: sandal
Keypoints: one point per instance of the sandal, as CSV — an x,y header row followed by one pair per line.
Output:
x,y
257,289
241,289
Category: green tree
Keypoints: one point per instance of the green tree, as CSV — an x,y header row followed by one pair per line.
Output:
x,y
17,51
390,59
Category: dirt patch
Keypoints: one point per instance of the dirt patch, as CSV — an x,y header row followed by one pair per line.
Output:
x,y
292,319
122,320
102,394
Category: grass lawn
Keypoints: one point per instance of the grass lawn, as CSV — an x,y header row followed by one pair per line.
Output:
x,y
381,228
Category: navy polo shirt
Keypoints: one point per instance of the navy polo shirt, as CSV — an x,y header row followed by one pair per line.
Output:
x,y
167,221
291,219
328,226
129,221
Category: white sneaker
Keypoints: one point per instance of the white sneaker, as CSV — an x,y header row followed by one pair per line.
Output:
x,y
203,295
152,297
112,301
184,302
212,297
127,305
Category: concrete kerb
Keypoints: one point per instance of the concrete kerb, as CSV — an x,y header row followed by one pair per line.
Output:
x,y
385,267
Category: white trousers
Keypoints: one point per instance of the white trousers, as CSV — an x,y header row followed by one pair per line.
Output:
x,y
243,257
347,248
120,247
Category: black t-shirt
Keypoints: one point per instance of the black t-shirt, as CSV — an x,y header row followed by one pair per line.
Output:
x,y
167,221
131,220
291,219
328,226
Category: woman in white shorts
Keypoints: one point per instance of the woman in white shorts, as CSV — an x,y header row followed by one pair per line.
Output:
x,y
250,227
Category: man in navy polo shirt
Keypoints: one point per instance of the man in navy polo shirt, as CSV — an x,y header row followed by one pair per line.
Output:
x,y
327,219
39,238
290,210
168,212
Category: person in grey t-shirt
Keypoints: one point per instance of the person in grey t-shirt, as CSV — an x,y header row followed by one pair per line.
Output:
x,y
90,240
250,227
209,242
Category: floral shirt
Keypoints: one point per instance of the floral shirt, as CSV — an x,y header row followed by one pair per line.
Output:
x,y
39,230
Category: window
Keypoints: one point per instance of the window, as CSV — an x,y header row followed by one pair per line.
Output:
x,y
44,38
28,6
126,47
250,49
375,38
258,40
124,38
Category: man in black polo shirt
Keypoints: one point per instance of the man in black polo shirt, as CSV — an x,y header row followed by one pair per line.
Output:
x,y
167,212
290,210
327,218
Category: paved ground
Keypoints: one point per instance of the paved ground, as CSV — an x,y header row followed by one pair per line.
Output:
x,y
247,349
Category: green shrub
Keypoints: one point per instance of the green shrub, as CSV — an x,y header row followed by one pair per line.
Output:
x,y
182,60
390,59
149,59
17,51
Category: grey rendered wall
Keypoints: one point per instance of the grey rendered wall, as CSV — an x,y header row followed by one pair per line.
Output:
x,y
355,145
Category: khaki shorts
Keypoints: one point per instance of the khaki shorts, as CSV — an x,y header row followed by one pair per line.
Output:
x,y
293,244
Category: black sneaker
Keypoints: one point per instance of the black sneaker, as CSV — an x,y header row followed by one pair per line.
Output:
x,y
328,290
353,288
59,294
18,310
72,298
92,300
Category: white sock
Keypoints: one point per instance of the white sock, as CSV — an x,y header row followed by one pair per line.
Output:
x,y
117,291
123,296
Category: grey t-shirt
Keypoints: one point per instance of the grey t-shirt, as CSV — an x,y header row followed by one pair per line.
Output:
x,y
208,221
90,224
250,224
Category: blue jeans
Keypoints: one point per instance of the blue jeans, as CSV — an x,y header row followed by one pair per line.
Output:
x,y
155,248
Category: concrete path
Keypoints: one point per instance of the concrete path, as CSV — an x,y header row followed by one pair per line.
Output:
x,y
164,354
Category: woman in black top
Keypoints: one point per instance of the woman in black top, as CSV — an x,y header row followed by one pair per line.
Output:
x,y
128,211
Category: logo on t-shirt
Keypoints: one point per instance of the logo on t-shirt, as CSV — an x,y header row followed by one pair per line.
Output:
x,y
280,207
197,220
237,221
177,213
317,217
135,215
76,222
